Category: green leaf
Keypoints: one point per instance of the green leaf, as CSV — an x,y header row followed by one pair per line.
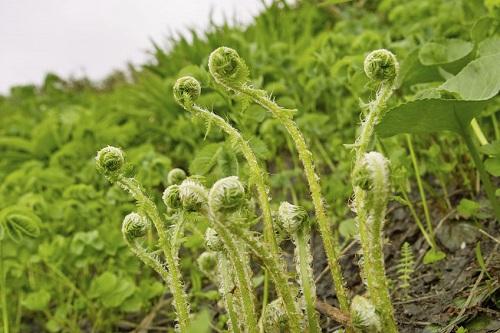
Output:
x,y
433,255
428,116
491,148
478,81
201,323
104,283
444,52
37,301
489,46
19,222
492,165
468,208
205,159
480,259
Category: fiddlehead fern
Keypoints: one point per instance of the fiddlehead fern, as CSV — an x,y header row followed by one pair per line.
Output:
x,y
176,176
110,162
229,70
186,91
372,194
364,317
370,180
295,221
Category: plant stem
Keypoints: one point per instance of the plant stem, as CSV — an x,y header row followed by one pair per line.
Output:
x,y
306,158
420,186
301,239
277,271
488,187
427,237
5,313
256,172
174,275
478,132
226,283
244,282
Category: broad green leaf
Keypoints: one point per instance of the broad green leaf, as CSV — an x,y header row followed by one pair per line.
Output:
x,y
468,208
123,290
444,52
104,283
433,256
478,81
492,165
491,148
428,116
200,323
489,46
37,301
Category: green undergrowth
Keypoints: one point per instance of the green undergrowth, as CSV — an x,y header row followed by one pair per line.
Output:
x,y
72,270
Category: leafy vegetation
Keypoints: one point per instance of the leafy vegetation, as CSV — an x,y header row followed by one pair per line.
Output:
x,y
273,151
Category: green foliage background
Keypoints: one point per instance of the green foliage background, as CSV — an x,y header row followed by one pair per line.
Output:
x,y
79,275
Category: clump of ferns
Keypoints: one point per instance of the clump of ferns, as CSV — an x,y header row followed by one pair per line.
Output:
x,y
186,91
229,70
110,161
370,180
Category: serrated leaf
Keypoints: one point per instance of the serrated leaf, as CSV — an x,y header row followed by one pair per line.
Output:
x,y
428,116
205,159
478,81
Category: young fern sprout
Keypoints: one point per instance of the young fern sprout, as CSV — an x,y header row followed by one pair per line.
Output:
x,y
295,221
186,90
215,264
135,226
274,319
372,190
110,162
194,198
370,179
229,70
364,317
230,188
176,176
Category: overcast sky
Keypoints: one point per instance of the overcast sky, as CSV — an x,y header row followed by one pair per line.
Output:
x,y
93,37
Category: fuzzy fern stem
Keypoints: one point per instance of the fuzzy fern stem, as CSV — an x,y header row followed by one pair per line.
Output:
x,y
256,172
215,208
294,220
110,162
371,187
230,71
221,198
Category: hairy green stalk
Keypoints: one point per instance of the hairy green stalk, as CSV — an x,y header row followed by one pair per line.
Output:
x,y
186,95
371,188
110,161
223,199
216,265
230,71
295,222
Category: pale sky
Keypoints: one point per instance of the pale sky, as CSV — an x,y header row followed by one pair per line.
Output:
x,y
93,37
